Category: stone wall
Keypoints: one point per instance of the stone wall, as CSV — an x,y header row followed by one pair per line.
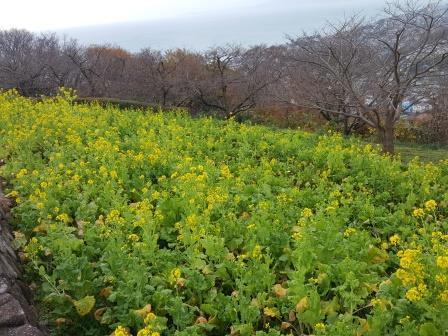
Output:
x,y
17,315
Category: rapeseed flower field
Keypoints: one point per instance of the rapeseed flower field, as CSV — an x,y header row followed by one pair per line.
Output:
x,y
133,222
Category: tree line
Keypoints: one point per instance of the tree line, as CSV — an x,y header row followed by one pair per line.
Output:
x,y
357,72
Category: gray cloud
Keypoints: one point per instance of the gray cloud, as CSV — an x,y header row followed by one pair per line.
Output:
x,y
260,21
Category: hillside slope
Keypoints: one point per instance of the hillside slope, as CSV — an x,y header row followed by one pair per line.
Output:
x,y
132,222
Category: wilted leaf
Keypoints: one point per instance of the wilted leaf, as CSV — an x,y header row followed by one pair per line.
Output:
x,y
270,311
279,291
201,320
85,305
106,291
144,311
99,313
302,305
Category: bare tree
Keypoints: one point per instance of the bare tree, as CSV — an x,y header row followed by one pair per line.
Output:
x,y
355,73
435,130
235,78
107,64
165,78
78,57
306,83
381,65
24,61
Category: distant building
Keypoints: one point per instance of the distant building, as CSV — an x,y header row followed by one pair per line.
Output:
x,y
411,110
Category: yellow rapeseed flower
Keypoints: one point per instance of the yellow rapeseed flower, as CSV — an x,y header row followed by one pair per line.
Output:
x,y
144,332
430,205
381,303
306,212
394,240
150,317
444,296
407,278
133,237
413,295
405,319
408,257
270,311
175,274
22,172
442,261
256,252
418,213
13,193
121,331
442,279
225,172
63,218
348,232
320,327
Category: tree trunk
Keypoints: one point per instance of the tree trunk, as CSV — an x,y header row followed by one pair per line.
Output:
x,y
387,138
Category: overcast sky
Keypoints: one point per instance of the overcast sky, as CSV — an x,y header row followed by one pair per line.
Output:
x,y
163,24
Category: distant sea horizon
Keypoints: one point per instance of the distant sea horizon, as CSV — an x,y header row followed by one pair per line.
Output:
x,y
269,26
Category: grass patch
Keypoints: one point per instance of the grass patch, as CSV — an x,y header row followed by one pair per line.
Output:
x,y
426,153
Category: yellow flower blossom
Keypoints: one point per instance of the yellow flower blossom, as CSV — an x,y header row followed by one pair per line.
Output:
x,y
430,205
306,212
381,303
442,261
407,278
350,231
103,171
407,257
13,193
225,172
444,296
175,274
63,218
150,317
270,311
442,279
413,295
320,327
405,319
418,213
395,239
133,237
121,331
256,252
22,173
